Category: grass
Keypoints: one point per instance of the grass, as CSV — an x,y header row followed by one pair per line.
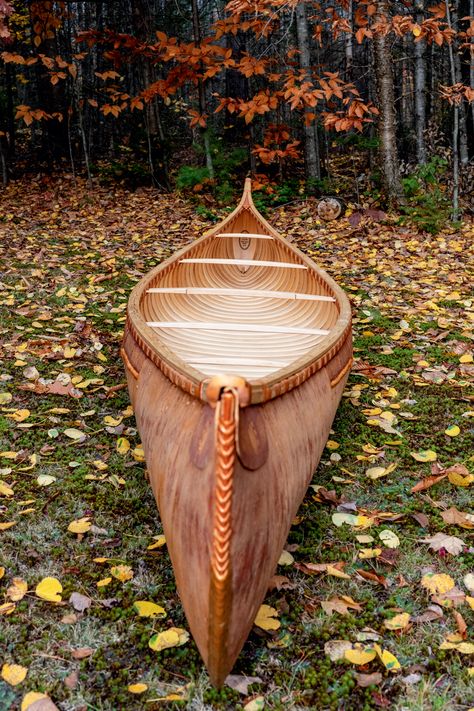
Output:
x,y
65,286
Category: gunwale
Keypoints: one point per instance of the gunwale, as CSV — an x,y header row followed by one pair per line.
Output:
x,y
264,388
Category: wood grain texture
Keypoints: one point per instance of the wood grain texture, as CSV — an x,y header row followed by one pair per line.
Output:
x,y
233,424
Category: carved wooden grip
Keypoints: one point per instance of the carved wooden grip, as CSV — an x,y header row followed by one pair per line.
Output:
x,y
341,373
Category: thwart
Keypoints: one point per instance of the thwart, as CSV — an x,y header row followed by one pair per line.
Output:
x,y
237,350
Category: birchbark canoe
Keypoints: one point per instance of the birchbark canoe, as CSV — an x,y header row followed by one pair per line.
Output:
x,y
236,350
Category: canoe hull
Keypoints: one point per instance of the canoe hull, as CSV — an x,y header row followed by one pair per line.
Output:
x,y
280,443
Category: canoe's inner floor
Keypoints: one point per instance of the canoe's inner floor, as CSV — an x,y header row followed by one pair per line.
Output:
x,y
240,325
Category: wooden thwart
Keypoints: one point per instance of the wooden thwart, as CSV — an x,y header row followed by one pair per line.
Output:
x,y
250,327
244,235
260,293
245,263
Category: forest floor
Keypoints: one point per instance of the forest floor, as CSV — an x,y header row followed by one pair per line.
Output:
x,y
382,550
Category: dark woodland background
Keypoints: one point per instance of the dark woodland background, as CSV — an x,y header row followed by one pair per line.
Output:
x,y
366,99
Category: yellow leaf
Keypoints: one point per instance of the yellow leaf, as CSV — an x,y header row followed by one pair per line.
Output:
x,y
30,698
7,608
72,433
389,538
466,358
159,542
137,688
452,431
389,661
256,704
122,572
9,455
138,454
426,455
174,637
17,590
5,398
49,589
332,570
458,479
20,415
416,29
399,622
437,582
149,609
112,421
80,525
2,571
102,583
470,601
6,525
69,352
13,674
266,618
360,654
331,444
367,553
123,445
5,490
286,558
376,472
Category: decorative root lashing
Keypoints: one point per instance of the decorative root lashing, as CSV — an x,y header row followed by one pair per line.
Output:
x,y
227,419
242,346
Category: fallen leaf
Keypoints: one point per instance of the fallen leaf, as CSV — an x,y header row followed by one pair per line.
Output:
x,y
336,649
174,637
149,609
360,654
398,622
13,674
159,542
45,479
49,589
452,431
286,558
241,683
80,525
437,582
122,572
82,652
389,538
75,434
426,455
80,602
17,590
256,704
123,445
365,680
427,483
452,544
266,618
138,688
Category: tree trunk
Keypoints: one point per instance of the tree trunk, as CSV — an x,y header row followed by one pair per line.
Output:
x,y
454,23
389,163
455,153
202,94
311,146
420,88
349,42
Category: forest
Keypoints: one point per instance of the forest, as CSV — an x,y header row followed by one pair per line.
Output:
x,y
348,98
129,131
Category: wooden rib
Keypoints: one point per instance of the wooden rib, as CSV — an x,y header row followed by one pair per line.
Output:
x,y
263,293
249,235
251,327
244,263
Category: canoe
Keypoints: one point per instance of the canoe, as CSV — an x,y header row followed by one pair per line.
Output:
x,y
236,350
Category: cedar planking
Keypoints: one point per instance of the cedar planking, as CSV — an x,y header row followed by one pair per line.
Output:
x,y
233,422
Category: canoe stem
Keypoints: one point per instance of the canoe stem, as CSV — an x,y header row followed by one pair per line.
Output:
x,y
226,419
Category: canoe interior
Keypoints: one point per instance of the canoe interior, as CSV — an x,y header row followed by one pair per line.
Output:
x,y
231,317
